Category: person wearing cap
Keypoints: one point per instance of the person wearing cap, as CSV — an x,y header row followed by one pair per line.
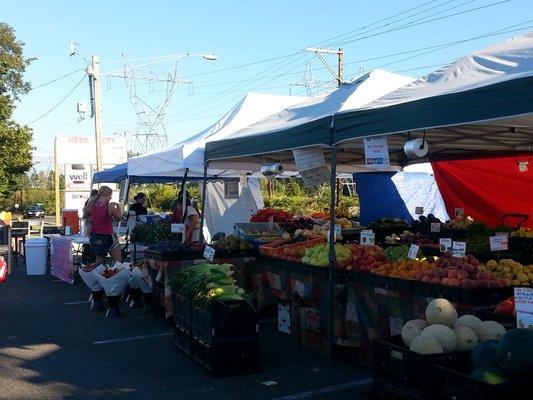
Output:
x,y
138,207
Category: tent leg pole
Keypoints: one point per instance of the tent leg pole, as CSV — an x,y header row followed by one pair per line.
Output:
x,y
184,205
332,184
204,191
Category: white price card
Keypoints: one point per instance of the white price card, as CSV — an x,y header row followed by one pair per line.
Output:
x,y
338,230
419,210
445,244
435,227
413,251
459,249
367,238
270,224
209,253
498,243
506,234
523,298
177,228
459,212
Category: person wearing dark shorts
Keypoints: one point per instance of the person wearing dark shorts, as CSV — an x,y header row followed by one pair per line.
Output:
x,y
102,211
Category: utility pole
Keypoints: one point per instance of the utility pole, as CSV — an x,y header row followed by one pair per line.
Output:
x,y
339,76
93,71
56,184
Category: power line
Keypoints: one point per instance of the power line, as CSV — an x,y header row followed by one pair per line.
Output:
x,y
410,25
382,20
57,79
58,104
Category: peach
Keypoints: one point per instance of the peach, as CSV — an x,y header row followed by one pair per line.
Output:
x,y
454,282
435,281
452,273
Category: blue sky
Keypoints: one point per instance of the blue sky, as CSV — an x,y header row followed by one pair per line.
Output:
x,y
239,33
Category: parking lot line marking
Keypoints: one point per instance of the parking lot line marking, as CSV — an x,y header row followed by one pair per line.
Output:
x,y
76,302
126,339
327,389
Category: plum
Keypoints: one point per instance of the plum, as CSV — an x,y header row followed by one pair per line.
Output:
x,y
462,275
468,284
435,281
426,278
454,282
452,273
445,281
483,283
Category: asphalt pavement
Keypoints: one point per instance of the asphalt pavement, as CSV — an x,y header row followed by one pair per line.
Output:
x,y
53,347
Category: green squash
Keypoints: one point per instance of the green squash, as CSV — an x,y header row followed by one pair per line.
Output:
x,y
484,355
492,376
515,351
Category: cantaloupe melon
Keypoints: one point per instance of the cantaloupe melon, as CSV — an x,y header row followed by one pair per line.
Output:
x,y
466,338
441,311
444,335
412,329
425,345
468,320
487,330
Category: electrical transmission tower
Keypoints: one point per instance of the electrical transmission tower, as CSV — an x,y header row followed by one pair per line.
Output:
x,y
151,133
312,86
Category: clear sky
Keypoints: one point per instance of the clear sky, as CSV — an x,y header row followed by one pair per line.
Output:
x,y
259,44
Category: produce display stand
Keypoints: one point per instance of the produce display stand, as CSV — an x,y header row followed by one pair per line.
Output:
x,y
222,338
366,306
162,266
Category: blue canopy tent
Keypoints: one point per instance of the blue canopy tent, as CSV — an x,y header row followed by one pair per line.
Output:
x,y
119,173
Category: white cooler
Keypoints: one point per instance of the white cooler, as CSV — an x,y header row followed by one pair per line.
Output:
x,y
35,251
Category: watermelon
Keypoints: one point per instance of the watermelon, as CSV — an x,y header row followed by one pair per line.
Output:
x,y
515,351
484,355
490,375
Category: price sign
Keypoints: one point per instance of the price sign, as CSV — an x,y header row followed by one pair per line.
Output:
x,y
270,224
506,234
459,249
445,244
419,210
177,228
523,298
209,253
413,251
367,238
498,243
435,227
459,212
338,230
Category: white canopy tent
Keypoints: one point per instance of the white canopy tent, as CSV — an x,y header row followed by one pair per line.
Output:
x,y
173,161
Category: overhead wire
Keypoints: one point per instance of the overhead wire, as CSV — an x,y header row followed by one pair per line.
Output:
x,y
56,79
58,104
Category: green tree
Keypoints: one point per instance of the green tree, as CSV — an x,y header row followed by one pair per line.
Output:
x,y
15,140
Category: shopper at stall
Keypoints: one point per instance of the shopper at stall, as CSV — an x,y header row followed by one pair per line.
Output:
x,y
190,217
88,222
102,211
138,206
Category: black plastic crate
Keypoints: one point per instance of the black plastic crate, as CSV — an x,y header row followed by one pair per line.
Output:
x,y
395,366
224,319
227,358
182,340
182,312
485,296
452,382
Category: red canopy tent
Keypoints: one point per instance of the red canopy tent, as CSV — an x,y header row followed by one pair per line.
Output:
x,y
488,189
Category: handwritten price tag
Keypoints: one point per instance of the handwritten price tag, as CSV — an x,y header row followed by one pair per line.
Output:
x,y
367,238
459,249
498,243
413,251
419,210
445,244
435,227
209,253
177,228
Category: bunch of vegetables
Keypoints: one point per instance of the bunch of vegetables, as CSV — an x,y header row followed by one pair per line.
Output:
x,y
159,231
205,282
139,233
265,214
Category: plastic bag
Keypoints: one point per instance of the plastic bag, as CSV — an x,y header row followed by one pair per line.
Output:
x,y
90,278
142,279
115,285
